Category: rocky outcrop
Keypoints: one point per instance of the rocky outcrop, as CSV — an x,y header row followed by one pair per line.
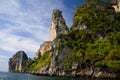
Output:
x,y
18,61
116,5
44,47
58,54
58,25
78,70
81,26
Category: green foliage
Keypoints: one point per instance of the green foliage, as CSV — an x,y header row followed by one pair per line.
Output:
x,y
99,16
101,20
113,55
111,65
114,65
36,64
99,48
101,66
73,58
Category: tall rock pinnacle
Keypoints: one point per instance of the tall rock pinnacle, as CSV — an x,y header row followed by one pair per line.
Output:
x,y
58,24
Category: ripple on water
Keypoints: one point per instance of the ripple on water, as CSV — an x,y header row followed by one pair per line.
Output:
x,y
19,76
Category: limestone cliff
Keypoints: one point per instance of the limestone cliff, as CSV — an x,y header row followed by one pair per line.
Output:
x,y
59,53
58,25
44,47
18,61
53,47
116,5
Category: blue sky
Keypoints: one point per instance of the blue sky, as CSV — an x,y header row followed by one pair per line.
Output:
x,y
25,24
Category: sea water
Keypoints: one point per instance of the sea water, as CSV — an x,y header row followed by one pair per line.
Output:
x,y
23,76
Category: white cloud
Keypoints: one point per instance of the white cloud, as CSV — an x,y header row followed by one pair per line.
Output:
x,y
3,57
9,6
13,43
34,20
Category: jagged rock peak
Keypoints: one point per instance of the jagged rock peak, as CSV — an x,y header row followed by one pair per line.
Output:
x,y
18,61
56,13
58,24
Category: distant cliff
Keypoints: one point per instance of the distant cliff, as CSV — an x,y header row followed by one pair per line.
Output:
x,y
18,61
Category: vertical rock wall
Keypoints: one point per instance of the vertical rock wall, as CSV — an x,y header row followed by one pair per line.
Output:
x,y
58,54
58,25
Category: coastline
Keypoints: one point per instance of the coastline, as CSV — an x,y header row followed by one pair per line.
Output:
x,y
84,73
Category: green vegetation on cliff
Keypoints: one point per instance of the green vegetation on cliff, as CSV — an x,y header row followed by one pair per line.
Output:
x,y
37,64
99,43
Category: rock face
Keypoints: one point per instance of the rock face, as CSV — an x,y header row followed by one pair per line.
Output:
x,y
116,5
18,61
58,24
81,26
58,55
46,46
